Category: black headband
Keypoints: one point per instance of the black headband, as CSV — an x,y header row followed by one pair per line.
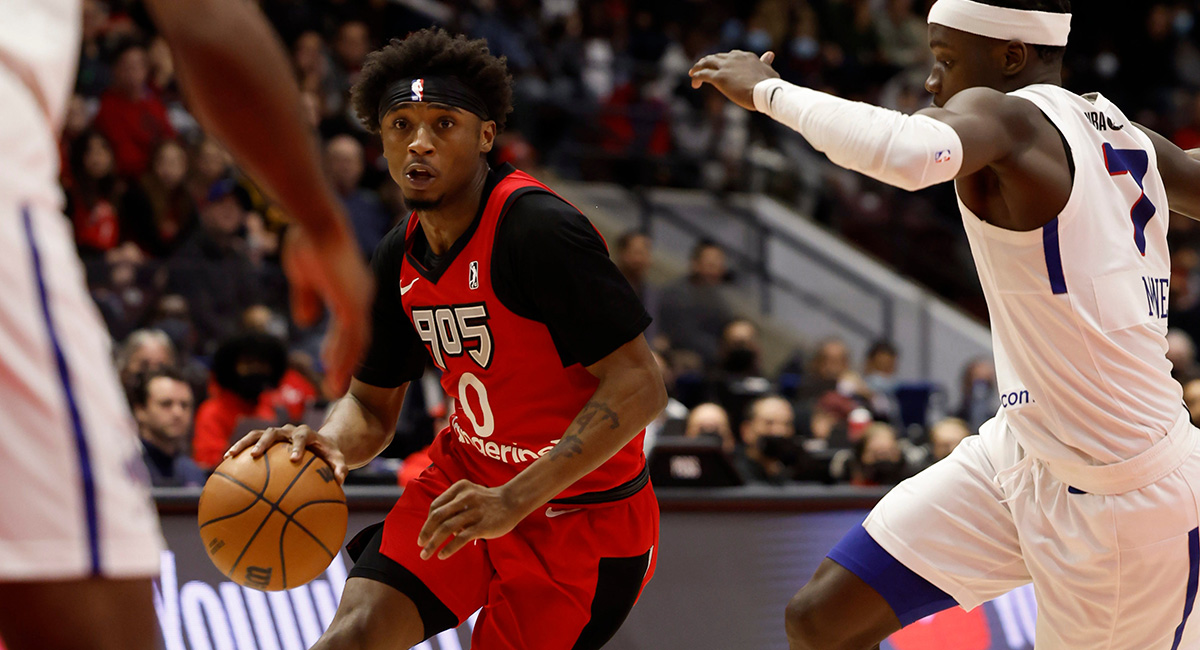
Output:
x,y
442,90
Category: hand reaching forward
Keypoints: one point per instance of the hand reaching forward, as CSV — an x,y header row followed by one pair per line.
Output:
x,y
466,512
735,74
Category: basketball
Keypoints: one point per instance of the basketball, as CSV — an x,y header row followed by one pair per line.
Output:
x,y
270,523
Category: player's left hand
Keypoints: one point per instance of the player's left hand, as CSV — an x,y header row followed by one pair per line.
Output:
x,y
735,74
466,512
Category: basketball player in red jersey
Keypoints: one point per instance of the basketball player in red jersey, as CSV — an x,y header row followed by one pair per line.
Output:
x,y
537,506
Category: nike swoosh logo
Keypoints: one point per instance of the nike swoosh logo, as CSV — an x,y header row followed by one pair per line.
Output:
x,y
552,513
404,289
771,97
1112,126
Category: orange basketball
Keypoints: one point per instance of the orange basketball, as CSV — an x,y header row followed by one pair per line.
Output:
x,y
272,524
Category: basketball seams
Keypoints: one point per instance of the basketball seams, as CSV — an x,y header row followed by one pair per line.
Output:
x,y
274,508
291,519
235,481
262,523
257,497
282,559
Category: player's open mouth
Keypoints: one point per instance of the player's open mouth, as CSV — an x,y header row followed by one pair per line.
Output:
x,y
420,176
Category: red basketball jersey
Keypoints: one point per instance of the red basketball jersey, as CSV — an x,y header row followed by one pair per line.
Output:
x,y
513,397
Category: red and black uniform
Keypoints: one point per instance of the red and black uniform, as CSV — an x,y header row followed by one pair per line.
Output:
x,y
512,314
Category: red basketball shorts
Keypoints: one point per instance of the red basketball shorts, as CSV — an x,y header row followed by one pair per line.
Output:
x,y
564,579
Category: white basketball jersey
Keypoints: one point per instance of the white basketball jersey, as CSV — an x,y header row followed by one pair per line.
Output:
x,y
39,50
1079,307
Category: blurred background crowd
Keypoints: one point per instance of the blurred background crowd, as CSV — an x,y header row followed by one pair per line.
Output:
x,y
182,250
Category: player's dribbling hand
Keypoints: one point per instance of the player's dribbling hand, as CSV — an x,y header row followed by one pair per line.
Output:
x,y
258,442
466,512
331,270
735,74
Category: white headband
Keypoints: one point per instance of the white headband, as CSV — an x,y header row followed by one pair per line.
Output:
x,y
1033,27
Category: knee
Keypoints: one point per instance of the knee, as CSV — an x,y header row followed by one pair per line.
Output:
x,y
809,625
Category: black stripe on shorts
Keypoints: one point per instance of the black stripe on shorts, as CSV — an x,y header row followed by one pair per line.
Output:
x,y
618,584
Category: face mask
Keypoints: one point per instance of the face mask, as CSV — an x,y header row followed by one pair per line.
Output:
x,y
780,448
249,387
884,472
739,360
711,436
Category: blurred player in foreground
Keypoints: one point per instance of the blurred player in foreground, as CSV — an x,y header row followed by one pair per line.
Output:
x,y
537,506
79,539
1085,483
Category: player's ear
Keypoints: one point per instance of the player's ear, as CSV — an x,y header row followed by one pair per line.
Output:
x,y
1015,57
487,136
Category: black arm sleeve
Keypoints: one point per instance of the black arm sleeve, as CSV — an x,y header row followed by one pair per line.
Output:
x,y
550,265
396,354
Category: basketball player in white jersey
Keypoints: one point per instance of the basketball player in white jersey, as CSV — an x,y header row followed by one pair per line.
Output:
x,y
1086,481
79,540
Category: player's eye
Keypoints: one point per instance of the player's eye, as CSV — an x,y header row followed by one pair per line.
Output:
x,y
400,124
446,123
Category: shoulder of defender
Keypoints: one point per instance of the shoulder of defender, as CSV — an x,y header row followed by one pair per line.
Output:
x,y
991,102
1014,112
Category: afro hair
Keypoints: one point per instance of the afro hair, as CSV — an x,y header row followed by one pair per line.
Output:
x,y
429,52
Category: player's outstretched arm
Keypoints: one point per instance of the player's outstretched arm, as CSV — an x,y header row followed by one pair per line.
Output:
x,y
237,80
1180,171
977,128
358,428
630,395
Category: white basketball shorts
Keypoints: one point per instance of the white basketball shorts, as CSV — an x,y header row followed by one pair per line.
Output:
x,y
74,497
1113,567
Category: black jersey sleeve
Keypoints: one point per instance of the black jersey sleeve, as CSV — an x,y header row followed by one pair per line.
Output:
x,y
396,354
550,265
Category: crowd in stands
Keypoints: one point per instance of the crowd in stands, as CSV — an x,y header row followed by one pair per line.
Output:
x,y
182,249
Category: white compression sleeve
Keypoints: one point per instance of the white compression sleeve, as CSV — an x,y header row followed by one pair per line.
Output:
x,y
911,152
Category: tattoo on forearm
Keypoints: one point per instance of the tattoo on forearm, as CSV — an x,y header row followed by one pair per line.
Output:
x,y
571,445
593,410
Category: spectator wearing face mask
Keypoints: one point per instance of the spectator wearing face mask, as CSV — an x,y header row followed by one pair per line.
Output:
x,y
879,376
297,390
710,421
247,370
770,453
980,397
879,458
738,379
